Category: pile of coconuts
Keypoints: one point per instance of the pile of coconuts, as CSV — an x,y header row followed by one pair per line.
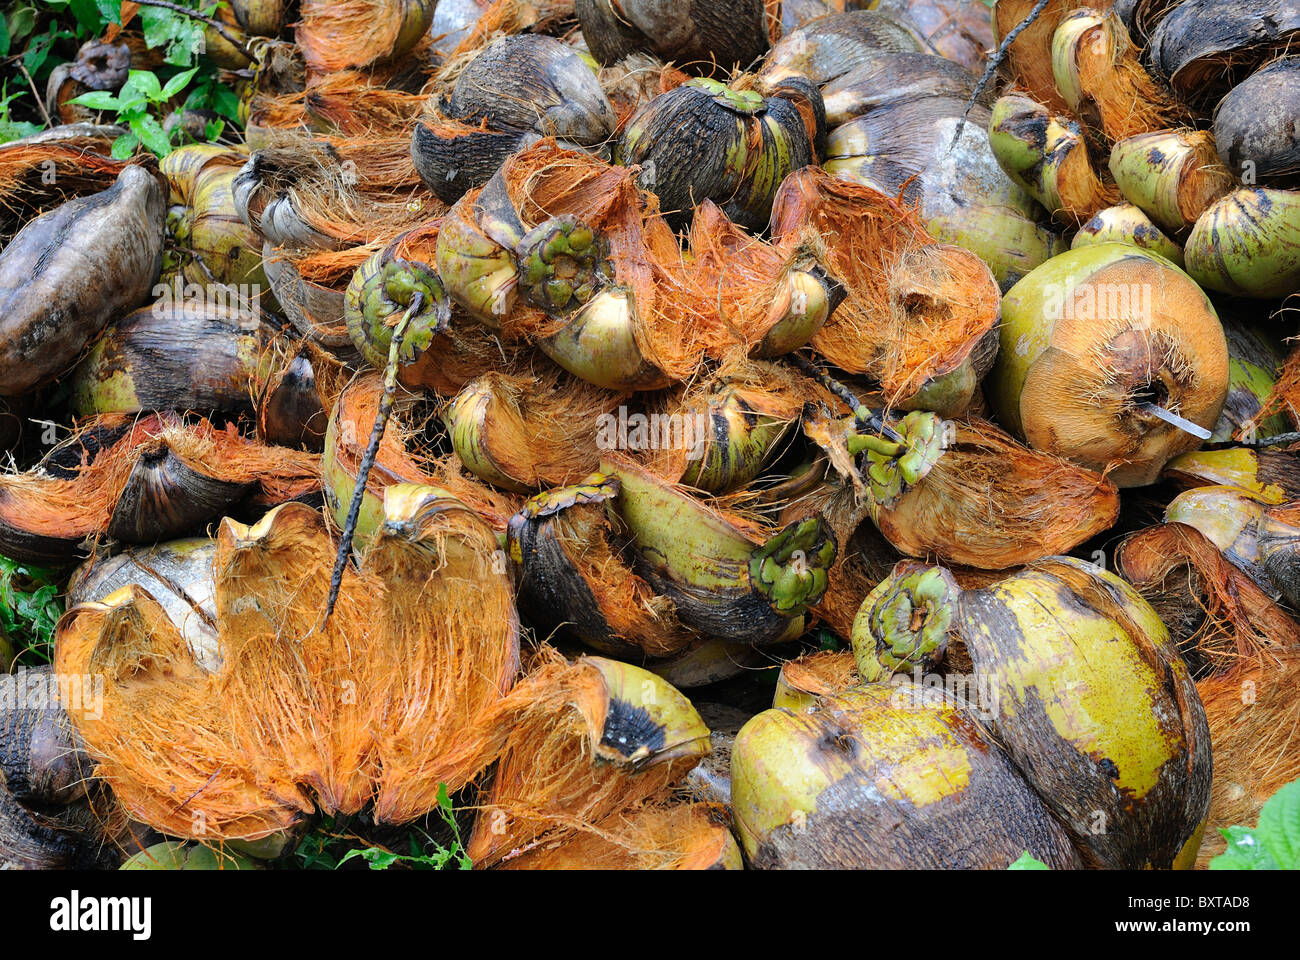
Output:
x,y
799,434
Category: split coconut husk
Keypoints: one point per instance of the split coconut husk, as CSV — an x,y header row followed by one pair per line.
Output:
x,y
1220,619
1029,58
345,34
391,700
589,743
1173,175
1230,518
915,313
140,481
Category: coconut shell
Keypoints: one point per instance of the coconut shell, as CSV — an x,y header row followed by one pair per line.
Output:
x,y
701,36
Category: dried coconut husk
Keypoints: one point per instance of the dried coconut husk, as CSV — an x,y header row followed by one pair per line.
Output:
x,y
391,697
587,742
1218,616
634,81
1254,718
988,502
677,836
1284,398
915,310
345,34
1029,58
141,480
38,176
1100,77
538,427
576,573
402,458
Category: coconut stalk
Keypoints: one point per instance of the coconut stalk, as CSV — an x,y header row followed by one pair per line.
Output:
x,y
1173,175
1125,223
1248,244
1081,669
884,777
1048,157
1098,345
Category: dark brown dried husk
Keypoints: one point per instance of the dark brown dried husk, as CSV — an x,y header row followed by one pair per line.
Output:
x,y
1204,47
151,478
181,355
915,309
1257,125
1254,718
701,36
1215,613
293,408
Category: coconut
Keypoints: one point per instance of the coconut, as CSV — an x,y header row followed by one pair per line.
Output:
x,y
1173,175
1248,244
1092,343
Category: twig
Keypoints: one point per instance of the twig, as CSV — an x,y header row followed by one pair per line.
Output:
x,y
216,25
40,101
994,62
866,417
368,458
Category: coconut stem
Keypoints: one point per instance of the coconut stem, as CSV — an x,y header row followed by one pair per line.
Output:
x,y
994,62
865,417
372,450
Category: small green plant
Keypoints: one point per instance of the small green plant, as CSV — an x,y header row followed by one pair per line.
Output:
x,y
320,850
135,104
1273,844
1027,861
29,609
11,129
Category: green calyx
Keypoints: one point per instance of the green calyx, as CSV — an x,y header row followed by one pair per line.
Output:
x,y
381,295
562,264
791,570
904,623
747,102
894,468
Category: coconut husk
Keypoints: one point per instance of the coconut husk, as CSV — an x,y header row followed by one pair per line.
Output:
x,y
1285,396
1029,58
346,34
78,492
914,309
575,761
385,701
1254,718
808,678
678,836
38,176
634,81
1221,620
501,18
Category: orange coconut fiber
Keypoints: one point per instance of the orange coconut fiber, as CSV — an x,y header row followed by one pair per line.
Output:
x,y
343,34
1183,574
590,743
915,309
395,695
1254,718
1029,58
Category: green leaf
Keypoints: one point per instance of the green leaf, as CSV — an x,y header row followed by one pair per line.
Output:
x,y
1027,861
158,25
1279,826
1244,852
110,10
21,22
124,146
87,14
5,39
150,131
175,84
142,81
98,100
